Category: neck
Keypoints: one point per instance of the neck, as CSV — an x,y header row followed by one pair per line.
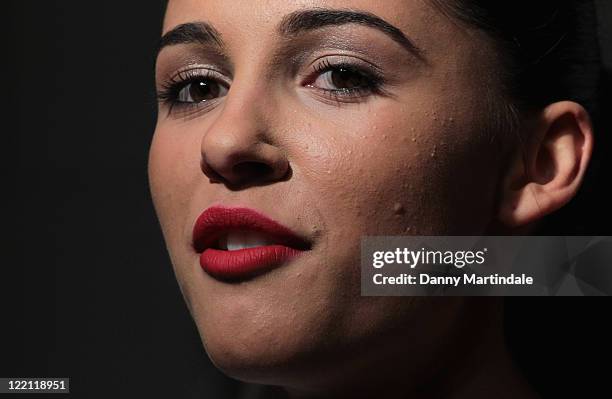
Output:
x,y
474,363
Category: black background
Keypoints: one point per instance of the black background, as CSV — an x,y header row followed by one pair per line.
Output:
x,y
87,288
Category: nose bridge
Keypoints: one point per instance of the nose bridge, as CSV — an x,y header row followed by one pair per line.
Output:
x,y
250,102
245,104
239,125
239,145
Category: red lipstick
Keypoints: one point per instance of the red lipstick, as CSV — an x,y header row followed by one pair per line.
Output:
x,y
217,238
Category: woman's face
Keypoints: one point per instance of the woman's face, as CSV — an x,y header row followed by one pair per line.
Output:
x,y
336,125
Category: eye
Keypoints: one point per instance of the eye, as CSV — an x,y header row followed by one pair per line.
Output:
x,y
346,81
193,90
342,78
199,90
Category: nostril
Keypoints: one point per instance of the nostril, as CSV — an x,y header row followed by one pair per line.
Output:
x,y
252,170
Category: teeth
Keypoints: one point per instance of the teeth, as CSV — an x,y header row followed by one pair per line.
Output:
x,y
242,240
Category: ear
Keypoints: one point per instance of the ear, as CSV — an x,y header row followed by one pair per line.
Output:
x,y
546,173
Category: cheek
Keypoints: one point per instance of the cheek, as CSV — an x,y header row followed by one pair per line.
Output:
x,y
173,172
402,171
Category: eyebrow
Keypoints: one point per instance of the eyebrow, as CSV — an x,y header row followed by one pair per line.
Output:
x,y
291,25
192,32
315,18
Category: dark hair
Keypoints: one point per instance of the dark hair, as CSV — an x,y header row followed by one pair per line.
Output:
x,y
550,47
550,52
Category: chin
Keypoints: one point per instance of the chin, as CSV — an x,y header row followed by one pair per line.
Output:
x,y
271,357
265,336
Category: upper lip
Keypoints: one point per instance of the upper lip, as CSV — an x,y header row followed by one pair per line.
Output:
x,y
216,221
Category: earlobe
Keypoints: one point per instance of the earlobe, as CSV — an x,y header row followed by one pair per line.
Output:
x,y
547,173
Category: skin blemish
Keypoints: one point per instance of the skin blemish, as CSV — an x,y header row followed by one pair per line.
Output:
x,y
398,209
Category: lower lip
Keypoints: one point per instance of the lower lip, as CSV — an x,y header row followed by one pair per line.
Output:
x,y
245,263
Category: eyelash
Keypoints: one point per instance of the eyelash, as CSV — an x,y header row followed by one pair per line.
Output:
x,y
374,81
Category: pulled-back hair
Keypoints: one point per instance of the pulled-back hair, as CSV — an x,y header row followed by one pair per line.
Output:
x,y
549,47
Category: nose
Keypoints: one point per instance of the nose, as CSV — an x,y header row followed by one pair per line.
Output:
x,y
239,148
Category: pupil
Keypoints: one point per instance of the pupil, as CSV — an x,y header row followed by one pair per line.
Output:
x,y
344,78
203,90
